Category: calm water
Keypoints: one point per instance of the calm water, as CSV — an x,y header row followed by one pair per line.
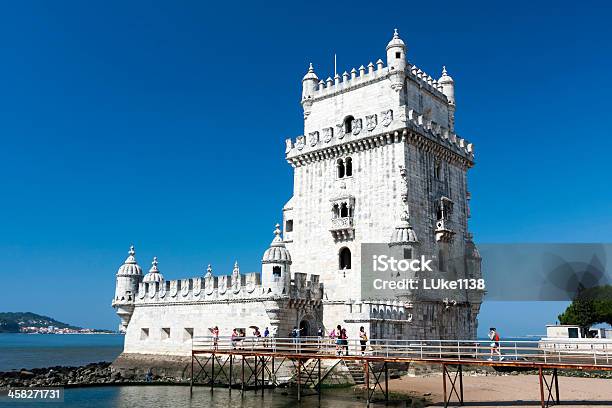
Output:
x,y
178,397
47,350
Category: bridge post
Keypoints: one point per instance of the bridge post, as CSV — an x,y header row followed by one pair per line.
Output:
x,y
319,378
242,377
191,381
212,378
230,373
386,382
263,374
255,375
299,380
444,384
367,381
557,386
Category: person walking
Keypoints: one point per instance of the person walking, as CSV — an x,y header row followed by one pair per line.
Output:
x,y
338,340
494,337
266,336
235,336
344,338
363,340
215,333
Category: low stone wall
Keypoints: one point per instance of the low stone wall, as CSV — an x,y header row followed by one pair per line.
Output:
x,y
132,365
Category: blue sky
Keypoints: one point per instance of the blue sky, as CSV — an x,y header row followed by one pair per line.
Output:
x,y
162,124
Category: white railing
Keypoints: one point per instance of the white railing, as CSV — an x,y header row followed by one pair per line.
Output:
x,y
557,351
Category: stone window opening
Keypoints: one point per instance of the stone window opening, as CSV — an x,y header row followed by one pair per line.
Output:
x,y
348,124
344,258
398,55
336,211
289,226
438,170
165,333
144,333
344,211
276,271
341,168
188,334
407,253
348,167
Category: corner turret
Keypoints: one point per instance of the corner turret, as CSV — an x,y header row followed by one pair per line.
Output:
x,y
396,53
310,84
448,89
275,265
128,277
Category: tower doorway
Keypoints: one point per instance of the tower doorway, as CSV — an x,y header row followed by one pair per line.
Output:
x,y
305,328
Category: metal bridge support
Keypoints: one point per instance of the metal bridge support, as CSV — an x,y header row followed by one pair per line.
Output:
x,y
447,374
552,388
377,380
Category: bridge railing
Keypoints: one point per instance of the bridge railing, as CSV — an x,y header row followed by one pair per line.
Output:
x,y
567,351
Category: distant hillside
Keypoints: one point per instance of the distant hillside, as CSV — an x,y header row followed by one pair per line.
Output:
x,y
12,322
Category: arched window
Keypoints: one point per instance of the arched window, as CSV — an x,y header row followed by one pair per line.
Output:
x,y
341,168
344,258
276,271
348,167
336,211
348,124
344,211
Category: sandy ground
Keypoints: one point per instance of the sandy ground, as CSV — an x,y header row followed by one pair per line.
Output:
x,y
507,391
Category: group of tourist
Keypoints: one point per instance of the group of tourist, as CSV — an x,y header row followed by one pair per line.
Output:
x,y
339,336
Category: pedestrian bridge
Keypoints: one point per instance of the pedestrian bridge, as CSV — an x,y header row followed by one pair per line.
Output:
x,y
254,362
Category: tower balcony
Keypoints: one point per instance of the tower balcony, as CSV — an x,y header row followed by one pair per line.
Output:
x,y
443,231
342,228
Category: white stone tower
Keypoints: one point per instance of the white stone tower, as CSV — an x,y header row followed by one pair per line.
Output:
x,y
129,276
380,162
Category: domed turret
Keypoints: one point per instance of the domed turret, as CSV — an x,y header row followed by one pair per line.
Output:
x,y
403,234
130,266
129,275
448,86
277,253
310,82
396,53
154,275
275,265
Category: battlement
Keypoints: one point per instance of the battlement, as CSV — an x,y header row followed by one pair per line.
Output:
x,y
371,128
363,76
241,287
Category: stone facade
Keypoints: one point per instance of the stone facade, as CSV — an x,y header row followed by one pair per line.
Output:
x,y
379,162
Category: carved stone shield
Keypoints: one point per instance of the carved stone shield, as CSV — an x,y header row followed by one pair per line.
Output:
x,y
340,130
184,287
387,117
197,286
300,142
314,138
371,122
357,126
328,133
173,288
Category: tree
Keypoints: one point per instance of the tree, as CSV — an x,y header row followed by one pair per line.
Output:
x,y
591,306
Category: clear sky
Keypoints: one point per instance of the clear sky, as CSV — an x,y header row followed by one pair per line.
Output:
x,y
163,124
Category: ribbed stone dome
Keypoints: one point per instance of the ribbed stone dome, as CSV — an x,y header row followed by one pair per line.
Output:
x,y
396,41
277,253
130,267
403,234
154,275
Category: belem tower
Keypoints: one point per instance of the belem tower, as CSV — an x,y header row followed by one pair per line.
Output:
x,y
379,162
